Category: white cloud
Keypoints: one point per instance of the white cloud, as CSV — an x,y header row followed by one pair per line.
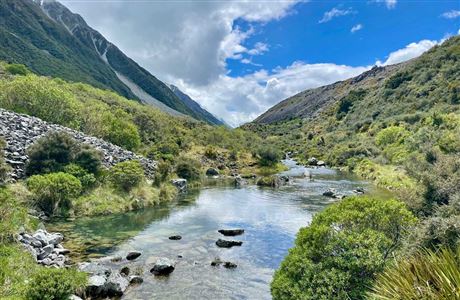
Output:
x,y
453,14
334,13
242,99
389,3
410,51
357,27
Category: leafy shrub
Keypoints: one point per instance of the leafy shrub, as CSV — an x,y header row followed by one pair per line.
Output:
x,y
54,284
188,168
17,69
347,102
126,175
12,215
268,156
163,171
87,179
396,80
426,275
390,135
51,153
338,255
53,192
211,152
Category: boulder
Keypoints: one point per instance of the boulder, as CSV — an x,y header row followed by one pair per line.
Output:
x,y
96,286
227,244
359,190
45,252
162,266
229,265
212,172
321,163
55,238
216,262
116,285
132,255
175,237
125,271
180,184
312,161
94,268
332,193
239,182
231,232
135,279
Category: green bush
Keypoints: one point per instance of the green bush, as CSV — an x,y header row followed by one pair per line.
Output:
x,y
51,153
87,179
53,192
390,135
339,254
126,175
163,171
17,69
188,168
211,152
55,284
268,156
426,275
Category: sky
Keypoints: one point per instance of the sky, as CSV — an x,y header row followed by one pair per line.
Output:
x,y
238,58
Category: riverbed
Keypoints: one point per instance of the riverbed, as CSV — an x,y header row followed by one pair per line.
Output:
x,y
270,217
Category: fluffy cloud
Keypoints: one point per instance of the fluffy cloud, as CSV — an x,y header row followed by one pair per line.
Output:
x,y
334,13
190,41
357,27
242,99
410,51
389,3
453,14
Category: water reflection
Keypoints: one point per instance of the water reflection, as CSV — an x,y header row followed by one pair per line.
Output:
x,y
270,217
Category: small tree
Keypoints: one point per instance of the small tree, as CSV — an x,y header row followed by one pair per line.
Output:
x,y
268,156
17,69
188,168
53,192
126,175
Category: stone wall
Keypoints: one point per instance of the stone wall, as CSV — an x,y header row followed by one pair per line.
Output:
x,y
19,131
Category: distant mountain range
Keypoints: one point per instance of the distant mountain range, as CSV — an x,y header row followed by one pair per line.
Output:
x,y
51,40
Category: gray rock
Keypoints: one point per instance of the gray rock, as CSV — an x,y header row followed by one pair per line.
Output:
x,y
239,182
321,163
55,238
216,262
132,255
227,244
180,184
125,271
229,265
94,268
116,285
175,237
162,266
96,286
312,161
135,279
212,172
74,297
231,232
45,252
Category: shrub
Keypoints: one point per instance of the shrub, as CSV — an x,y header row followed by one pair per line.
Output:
x,y
12,215
54,284
211,152
338,255
268,156
53,192
163,171
126,175
87,179
426,275
17,69
390,135
89,159
396,80
188,168
51,153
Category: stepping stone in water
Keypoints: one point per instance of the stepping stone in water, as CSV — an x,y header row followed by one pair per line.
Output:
x,y
228,244
231,232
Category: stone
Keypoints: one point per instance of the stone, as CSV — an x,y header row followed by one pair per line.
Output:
x,y
74,297
162,266
175,237
45,252
239,182
359,190
180,184
96,286
135,279
94,268
312,161
216,262
229,265
55,238
321,163
231,232
116,285
132,255
125,271
212,172
227,244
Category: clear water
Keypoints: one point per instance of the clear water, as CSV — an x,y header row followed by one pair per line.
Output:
x,y
270,217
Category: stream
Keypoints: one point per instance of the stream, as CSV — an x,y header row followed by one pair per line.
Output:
x,y
270,217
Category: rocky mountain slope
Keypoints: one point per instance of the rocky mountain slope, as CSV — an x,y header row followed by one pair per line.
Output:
x,y
20,131
193,105
51,40
310,102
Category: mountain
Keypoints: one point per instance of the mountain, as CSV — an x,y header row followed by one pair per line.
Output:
x,y
51,40
195,107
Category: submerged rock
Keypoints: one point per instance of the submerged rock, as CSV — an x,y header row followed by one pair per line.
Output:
x,y
332,193
132,255
135,279
175,237
229,265
228,244
162,266
231,232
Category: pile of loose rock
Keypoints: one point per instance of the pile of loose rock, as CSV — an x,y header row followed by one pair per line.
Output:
x,y
20,131
45,247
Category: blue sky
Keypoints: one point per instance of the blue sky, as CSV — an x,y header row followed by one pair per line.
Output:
x,y
301,36
238,58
